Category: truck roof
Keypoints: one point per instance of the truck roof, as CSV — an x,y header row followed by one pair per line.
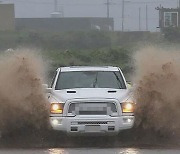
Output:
x,y
88,68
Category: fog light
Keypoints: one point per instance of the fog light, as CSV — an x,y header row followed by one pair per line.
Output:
x,y
127,120
55,122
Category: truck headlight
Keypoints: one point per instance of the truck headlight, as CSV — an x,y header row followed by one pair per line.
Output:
x,y
127,107
57,108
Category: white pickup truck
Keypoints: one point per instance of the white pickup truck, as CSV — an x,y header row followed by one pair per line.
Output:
x,y
87,100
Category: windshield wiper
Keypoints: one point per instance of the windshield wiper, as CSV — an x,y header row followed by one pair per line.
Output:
x,y
95,81
118,81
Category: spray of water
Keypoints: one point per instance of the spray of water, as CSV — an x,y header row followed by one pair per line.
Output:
x,y
157,91
23,104
22,101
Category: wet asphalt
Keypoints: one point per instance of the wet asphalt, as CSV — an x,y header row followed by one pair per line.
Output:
x,y
90,151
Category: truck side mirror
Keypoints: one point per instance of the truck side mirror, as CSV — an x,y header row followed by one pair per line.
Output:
x,y
129,84
46,89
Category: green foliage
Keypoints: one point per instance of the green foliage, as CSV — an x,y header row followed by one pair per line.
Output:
x,y
99,57
72,39
79,40
64,40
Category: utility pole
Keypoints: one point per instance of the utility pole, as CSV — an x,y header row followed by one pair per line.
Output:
x,y
108,8
179,3
58,12
55,6
122,15
139,19
146,18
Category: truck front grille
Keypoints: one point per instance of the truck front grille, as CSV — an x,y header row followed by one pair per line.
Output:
x,y
92,108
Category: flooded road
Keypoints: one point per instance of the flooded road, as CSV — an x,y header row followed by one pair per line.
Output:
x,y
24,118
90,151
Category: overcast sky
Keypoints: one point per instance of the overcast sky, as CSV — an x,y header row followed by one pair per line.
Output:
x,y
96,8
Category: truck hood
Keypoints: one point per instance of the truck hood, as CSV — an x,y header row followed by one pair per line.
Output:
x,y
90,93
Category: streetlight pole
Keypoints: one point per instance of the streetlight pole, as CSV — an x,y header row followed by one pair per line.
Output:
x,y
122,15
146,17
108,8
139,19
55,6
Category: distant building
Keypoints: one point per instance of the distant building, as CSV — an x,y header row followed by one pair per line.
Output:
x,y
55,24
7,17
65,24
168,17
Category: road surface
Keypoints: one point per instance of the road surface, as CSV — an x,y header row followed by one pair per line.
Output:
x,y
90,151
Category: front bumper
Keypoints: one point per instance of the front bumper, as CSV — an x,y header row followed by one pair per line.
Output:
x,y
92,124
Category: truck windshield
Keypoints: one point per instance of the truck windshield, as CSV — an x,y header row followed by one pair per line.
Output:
x,y
90,79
